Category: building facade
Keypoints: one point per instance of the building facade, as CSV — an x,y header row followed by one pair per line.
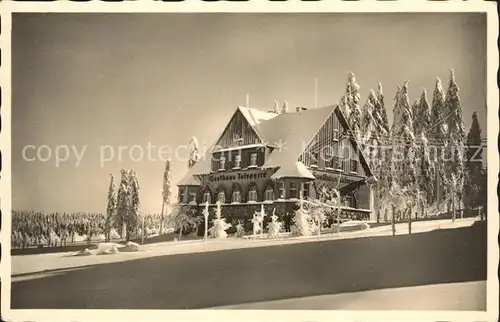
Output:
x,y
275,159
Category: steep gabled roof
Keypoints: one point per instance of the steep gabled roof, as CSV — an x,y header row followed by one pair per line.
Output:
x,y
289,134
294,170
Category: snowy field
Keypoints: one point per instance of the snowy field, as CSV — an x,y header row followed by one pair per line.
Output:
x,y
437,267
33,266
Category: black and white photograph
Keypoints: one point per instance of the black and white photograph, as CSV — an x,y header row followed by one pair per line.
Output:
x,y
322,161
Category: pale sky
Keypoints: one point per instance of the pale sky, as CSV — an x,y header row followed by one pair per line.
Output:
x,y
92,80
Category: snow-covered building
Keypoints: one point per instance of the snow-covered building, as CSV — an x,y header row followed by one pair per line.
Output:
x,y
272,159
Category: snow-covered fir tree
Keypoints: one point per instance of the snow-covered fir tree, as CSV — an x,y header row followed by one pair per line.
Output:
x,y
274,227
474,174
218,230
133,215
284,108
437,131
380,108
456,137
371,131
194,152
110,210
351,100
240,230
302,221
426,170
403,139
422,115
166,193
123,202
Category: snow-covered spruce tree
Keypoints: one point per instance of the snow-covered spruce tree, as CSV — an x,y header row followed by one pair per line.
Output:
x,y
371,131
110,210
302,221
240,230
166,193
421,115
256,224
123,202
380,108
437,131
426,170
403,139
194,152
351,100
284,109
382,168
133,214
275,226
456,137
218,230
473,166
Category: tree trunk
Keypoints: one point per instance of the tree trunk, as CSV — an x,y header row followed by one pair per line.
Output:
x,y
393,220
453,209
180,233
409,221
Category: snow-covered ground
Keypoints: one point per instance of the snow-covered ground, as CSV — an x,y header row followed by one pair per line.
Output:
x,y
466,296
35,265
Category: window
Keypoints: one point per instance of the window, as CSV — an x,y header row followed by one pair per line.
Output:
x,y
305,190
253,159
335,135
237,161
314,159
222,163
293,191
236,196
329,160
269,195
192,197
354,165
221,196
182,193
282,190
252,194
207,197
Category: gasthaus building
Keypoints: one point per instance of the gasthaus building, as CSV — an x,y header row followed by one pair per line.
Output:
x,y
273,159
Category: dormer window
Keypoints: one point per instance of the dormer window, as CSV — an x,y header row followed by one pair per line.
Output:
x,y
253,160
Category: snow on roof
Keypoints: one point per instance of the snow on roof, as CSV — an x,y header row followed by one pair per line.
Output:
x,y
293,170
290,133
189,179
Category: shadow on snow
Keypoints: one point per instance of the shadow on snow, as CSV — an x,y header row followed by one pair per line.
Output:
x,y
200,280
